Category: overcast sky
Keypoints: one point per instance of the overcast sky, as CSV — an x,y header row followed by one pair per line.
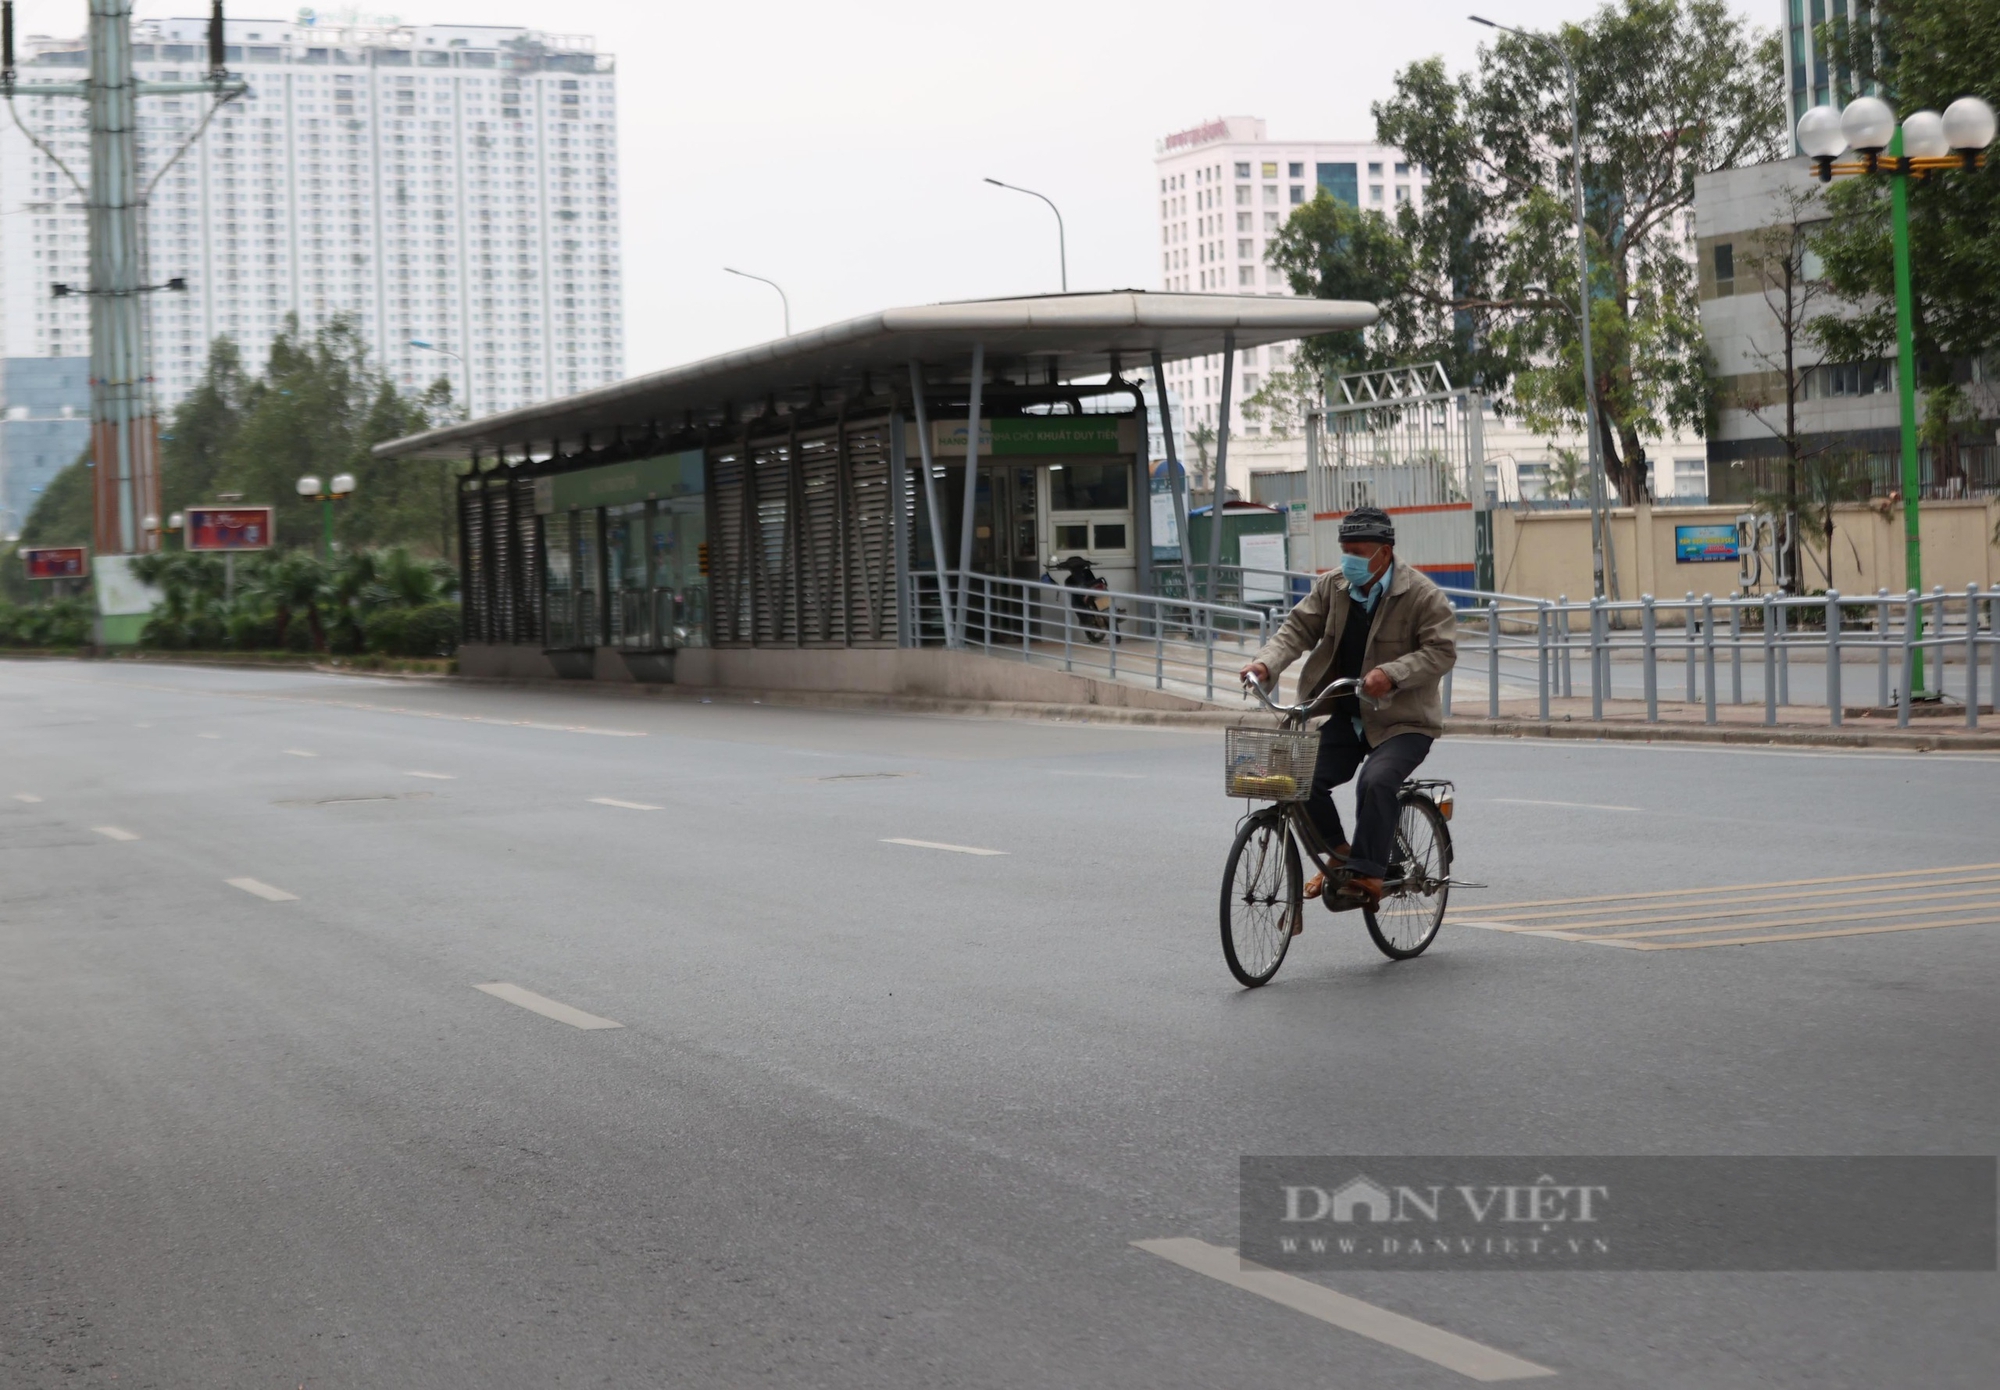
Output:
x,y
839,149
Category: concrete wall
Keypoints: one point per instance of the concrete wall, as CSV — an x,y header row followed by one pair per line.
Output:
x,y
1545,554
927,672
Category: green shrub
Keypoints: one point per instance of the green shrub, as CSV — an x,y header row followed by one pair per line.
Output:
x,y
431,630
62,623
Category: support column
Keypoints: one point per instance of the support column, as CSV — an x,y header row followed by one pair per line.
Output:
x,y
931,506
971,488
1176,476
1221,487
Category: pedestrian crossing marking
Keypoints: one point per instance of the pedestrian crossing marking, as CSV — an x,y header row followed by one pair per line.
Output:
x,y
1648,921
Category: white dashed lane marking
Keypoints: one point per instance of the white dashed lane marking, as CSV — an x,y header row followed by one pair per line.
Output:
x,y
1565,805
952,849
435,776
258,889
546,1007
208,735
28,797
622,805
301,753
1471,1359
112,832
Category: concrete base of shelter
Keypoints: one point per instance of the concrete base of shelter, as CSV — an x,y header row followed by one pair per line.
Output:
x,y
921,672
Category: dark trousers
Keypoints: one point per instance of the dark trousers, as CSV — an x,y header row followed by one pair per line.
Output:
x,y
1383,771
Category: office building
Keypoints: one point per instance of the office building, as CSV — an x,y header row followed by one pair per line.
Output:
x,y
1224,189
44,427
452,184
1818,66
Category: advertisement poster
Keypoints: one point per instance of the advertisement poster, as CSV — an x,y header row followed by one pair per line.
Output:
x,y
56,562
228,528
1705,545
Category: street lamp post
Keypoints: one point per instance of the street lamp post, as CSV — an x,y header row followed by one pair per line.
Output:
x,y
1583,297
462,366
1924,144
339,490
783,298
1062,237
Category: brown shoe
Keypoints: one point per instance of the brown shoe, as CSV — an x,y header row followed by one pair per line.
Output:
x,y
1361,892
1314,887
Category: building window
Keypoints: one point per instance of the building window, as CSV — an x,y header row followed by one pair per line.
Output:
x,y
1374,171
1245,249
1297,171
1270,169
1375,194
1725,268
1298,193
1402,171
1402,193
1270,193
1339,182
1243,195
1246,275
1243,170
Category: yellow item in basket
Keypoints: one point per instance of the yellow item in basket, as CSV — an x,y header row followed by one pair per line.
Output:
x,y
1276,787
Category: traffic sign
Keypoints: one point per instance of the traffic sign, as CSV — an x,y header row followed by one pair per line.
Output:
x,y
57,561
228,528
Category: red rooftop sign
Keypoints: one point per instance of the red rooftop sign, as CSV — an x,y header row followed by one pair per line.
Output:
x,y
1198,135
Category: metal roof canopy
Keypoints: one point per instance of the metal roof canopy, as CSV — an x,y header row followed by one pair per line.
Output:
x,y
1074,336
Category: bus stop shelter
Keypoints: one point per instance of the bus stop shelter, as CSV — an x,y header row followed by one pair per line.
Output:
x,y
748,518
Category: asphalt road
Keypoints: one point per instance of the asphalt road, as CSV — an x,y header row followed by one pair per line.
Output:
x,y
882,1115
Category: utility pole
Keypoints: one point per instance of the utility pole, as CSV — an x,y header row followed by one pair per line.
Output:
x,y
124,434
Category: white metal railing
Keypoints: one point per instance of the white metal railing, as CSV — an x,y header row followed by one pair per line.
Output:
x,y
1169,643
1914,650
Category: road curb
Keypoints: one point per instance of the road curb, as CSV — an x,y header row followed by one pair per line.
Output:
x,y
860,702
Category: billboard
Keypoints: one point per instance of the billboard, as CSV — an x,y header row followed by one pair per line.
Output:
x,y
228,528
1705,545
57,561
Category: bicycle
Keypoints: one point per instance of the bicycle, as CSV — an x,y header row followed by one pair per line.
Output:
x,y
1263,889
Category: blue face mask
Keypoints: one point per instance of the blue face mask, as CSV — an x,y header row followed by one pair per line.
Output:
x,y
1355,568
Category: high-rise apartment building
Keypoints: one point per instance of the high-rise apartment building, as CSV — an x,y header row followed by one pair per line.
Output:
x,y
1818,70
1224,190
452,184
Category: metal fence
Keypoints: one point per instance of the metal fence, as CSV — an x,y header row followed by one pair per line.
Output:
x,y
1174,644
1898,640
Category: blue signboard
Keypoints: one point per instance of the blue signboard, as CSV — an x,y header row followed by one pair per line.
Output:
x,y
1705,545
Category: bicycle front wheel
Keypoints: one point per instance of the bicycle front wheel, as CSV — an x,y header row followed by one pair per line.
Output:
x,y
1262,897
1417,886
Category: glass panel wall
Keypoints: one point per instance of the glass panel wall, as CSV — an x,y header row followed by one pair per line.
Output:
x,y
559,580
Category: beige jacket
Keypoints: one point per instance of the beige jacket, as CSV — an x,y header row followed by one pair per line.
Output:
x,y
1413,640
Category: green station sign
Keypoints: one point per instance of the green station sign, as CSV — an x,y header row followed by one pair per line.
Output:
x,y
1031,435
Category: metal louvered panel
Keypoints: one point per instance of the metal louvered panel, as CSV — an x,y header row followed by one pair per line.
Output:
x,y
526,571
729,549
871,561
774,575
823,615
499,561
473,559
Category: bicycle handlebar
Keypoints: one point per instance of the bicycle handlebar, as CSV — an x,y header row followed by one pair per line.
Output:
x,y
1298,714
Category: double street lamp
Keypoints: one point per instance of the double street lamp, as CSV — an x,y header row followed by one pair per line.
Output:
x,y
341,488
1926,143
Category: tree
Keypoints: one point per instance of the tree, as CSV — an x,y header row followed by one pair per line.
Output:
x,y
65,512
1775,260
318,408
1668,89
1566,475
1923,53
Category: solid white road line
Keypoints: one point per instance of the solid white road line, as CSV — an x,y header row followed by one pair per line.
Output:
x,y
28,797
623,805
933,844
547,1008
208,735
262,890
1433,1344
1566,805
301,753
434,776
112,832
1121,776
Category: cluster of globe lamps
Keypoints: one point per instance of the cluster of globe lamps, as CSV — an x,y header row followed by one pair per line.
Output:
x,y
1868,126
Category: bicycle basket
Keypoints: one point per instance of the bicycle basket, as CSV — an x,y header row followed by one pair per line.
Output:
x,y
1269,764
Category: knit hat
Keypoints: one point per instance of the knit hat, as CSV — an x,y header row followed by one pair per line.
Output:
x,y
1368,524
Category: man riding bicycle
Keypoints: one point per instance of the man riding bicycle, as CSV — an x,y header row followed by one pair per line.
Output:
x,y
1393,629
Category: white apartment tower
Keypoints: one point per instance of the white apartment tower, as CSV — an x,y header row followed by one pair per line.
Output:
x,y
451,184
1225,189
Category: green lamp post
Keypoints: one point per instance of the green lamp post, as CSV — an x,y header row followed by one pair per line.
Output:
x,y
338,490
1924,144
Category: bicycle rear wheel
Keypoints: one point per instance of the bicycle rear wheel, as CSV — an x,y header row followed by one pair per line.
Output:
x,y
1412,908
1263,893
